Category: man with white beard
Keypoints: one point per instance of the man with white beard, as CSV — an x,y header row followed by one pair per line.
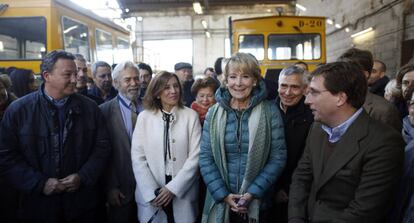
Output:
x,y
121,114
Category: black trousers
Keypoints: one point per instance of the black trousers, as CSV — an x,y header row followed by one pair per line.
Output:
x,y
87,217
169,211
127,213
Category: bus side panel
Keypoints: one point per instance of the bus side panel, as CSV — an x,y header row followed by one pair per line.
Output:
x,y
27,11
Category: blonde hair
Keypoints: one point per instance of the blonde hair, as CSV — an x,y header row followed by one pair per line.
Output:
x,y
243,62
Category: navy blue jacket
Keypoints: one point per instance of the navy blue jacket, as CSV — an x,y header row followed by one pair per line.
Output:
x,y
95,94
30,153
188,97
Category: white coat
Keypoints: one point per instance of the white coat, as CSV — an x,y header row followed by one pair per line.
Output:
x,y
147,155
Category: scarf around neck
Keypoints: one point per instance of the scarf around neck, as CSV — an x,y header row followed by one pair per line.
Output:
x,y
259,149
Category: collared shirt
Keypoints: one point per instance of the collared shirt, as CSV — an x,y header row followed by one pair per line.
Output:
x,y
337,132
61,112
126,112
58,103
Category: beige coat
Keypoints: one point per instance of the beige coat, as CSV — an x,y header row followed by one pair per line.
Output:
x,y
147,155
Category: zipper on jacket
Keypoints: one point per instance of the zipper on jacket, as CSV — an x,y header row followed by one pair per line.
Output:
x,y
238,137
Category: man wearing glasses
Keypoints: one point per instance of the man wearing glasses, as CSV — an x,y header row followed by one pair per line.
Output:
x,y
351,162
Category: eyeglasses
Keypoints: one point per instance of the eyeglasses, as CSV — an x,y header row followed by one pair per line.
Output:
x,y
315,93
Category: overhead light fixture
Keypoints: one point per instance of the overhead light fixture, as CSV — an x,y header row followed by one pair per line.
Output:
x,y
204,23
208,35
338,26
139,18
329,21
362,32
197,8
301,7
347,30
126,10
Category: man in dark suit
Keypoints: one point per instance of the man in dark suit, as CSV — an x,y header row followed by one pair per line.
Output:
x,y
378,80
351,162
120,114
297,119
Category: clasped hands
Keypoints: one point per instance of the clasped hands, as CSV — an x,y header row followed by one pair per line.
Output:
x,y
239,203
163,197
70,183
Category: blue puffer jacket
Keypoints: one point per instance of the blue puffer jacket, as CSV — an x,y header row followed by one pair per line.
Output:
x,y
237,150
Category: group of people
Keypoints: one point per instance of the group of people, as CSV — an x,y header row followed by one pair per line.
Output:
x,y
167,148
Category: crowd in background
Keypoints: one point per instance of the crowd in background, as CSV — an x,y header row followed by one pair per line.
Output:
x,y
119,143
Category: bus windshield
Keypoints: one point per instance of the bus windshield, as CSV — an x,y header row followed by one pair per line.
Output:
x,y
294,47
253,44
22,38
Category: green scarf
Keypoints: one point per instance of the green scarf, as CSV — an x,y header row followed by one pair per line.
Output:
x,y
259,149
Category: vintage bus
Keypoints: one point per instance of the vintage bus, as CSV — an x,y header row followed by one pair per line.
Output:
x,y
31,28
280,41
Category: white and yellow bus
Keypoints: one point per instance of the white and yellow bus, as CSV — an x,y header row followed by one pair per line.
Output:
x,y
31,28
280,41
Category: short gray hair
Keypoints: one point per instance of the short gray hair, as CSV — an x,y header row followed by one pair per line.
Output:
x,y
123,66
99,64
295,70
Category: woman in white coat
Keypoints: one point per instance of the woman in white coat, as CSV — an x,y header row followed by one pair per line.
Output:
x,y
165,148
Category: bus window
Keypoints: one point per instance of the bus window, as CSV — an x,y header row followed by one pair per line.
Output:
x,y
123,51
22,38
253,44
104,46
75,36
294,47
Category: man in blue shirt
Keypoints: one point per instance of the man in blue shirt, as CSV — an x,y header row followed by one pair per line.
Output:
x,y
351,162
121,114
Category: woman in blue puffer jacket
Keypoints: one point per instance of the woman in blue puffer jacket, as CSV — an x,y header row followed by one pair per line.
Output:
x,y
242,147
